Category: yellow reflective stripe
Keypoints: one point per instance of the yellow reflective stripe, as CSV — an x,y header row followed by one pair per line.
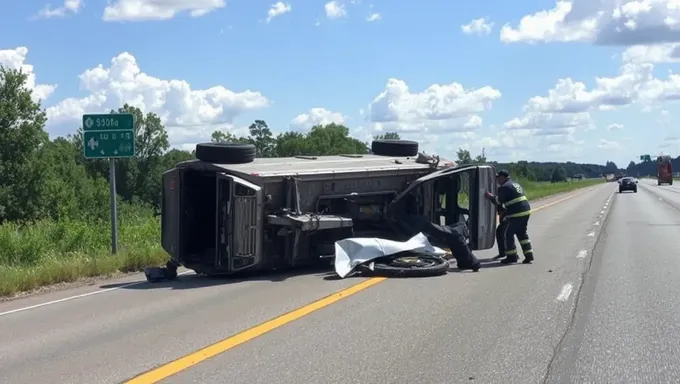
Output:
x,y
527,241
511,252
516,200
528,251
520,214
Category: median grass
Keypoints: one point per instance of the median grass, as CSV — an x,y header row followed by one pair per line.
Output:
x,y
53,252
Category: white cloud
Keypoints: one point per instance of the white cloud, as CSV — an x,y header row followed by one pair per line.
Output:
x,y
278,9
373,17
187,113
569,103
607,22
335,10
70,7
608,145
614,127
139,10
16,59
479,27
656,53
315,116
439,108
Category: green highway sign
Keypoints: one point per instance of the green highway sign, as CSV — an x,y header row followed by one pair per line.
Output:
x,y
109,144
108,121
108,136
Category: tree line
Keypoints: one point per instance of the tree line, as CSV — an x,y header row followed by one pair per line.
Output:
x,y
43,178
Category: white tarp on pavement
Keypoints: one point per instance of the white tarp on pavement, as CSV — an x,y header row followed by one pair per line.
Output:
x,y
354,251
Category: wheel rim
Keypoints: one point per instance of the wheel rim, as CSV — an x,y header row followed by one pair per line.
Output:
x,y
413,262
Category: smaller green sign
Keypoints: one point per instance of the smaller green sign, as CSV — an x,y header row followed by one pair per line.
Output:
x,y
109,144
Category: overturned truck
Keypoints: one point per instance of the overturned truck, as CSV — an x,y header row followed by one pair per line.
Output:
x,y
228,212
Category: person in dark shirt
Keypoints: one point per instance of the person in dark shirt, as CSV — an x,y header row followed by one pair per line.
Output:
x,y
517,211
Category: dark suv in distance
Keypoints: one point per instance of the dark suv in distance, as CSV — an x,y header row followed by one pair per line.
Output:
x,y
628,184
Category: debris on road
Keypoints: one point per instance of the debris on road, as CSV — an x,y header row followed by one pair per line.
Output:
x,y
414,257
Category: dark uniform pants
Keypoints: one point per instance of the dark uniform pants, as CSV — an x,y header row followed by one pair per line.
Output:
x,y
517,226
500,236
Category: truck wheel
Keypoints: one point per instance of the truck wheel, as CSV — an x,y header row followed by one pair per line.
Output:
x,y
225,153
408,266
391,147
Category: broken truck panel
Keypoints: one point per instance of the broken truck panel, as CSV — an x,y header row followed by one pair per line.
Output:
x,y
482,214
482,219
171,209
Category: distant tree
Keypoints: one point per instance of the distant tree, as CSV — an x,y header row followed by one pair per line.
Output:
x,y
387,136
261,137
611,167
559,174
226,137
463,156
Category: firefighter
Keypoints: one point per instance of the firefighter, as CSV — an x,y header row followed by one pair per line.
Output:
x,y
517,211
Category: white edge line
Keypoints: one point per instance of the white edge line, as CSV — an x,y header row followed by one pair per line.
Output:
x,y
79,296
582,254
565,292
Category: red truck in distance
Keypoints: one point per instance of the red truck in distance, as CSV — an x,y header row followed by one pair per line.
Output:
x,y
664,170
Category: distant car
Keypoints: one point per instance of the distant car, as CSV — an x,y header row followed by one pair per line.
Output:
x,y
628,184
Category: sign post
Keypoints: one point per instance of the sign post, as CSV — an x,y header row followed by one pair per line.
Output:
x,y
110,136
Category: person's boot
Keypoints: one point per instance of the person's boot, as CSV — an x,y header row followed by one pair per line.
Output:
x,y
528,258
474,267
509,260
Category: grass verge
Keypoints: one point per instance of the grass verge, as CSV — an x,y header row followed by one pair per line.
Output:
x,y
54,252
537,190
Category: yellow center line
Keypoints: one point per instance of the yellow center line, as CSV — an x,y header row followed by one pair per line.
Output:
x,y
157,374
166,370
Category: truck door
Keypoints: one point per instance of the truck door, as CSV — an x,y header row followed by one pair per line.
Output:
x,y
243,218
170,214
432,204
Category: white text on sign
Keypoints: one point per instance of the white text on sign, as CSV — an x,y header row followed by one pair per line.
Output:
x,y
104,122
114,136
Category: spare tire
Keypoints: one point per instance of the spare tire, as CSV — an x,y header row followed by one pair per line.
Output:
x,y
225,153
393,147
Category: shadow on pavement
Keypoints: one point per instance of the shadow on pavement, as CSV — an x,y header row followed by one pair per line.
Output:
x,y
192,281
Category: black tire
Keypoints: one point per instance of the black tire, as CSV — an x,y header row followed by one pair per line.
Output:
x,y
225,153
396,266
390,147
170,271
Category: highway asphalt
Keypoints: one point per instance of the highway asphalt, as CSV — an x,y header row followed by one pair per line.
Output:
x,y
601,304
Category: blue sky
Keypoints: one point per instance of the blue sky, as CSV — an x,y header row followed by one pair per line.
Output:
x,y
374,65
